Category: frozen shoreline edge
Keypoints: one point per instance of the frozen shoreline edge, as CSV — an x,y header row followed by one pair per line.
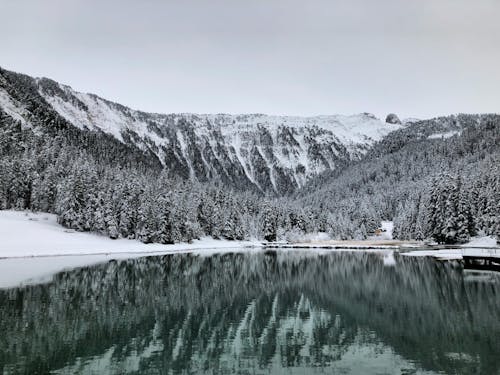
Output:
x,y
23,230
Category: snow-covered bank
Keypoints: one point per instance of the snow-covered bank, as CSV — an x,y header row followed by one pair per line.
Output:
x,y
485,241
33,248
444,254
368,244
26,234
454,254
478,246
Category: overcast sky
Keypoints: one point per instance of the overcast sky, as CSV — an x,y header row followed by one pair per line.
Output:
x,y
416,58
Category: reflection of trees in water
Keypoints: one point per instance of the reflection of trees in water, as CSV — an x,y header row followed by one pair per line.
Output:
x,y
249,310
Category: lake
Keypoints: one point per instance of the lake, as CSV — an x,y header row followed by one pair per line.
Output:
x,y
297,312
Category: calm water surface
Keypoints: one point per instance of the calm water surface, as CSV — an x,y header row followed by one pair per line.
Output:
x,y
256,313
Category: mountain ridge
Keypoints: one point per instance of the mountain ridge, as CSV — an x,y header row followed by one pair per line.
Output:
x,y
104,167
274,154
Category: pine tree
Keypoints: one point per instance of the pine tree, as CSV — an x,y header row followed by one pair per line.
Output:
x,y
146,228
436,210
165,232
71,203
110,220
269,227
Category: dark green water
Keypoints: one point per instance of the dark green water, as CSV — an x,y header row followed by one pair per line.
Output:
x,y
259,313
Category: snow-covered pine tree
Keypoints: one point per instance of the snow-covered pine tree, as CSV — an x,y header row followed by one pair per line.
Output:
x,y
436,210
269,223
71,197
165,219
146,221
110,220
465,227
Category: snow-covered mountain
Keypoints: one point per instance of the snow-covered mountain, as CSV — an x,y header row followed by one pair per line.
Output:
x,y
268,153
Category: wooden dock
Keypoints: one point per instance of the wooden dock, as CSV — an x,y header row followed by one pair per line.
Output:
x,y
481,262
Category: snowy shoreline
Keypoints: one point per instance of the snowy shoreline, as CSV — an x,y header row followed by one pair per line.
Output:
x,y
25,234
59,249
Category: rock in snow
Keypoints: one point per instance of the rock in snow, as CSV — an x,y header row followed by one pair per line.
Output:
x,y
392,118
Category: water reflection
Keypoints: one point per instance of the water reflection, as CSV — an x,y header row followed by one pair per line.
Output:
x,y
259,313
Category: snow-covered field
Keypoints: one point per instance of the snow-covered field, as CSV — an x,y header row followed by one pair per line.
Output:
x,y
26,234
485,241
480,246
33,247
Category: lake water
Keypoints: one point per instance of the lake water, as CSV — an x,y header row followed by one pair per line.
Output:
x,y
255,313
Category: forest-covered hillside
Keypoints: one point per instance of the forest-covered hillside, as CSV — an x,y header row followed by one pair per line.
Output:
x,y
437,178
95,182
268,154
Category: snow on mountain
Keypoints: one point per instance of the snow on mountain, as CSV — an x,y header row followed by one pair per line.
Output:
x,y
444,135
270,153
11,107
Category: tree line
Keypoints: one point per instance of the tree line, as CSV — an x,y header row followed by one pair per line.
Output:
x,y
41,172
453,208
444,188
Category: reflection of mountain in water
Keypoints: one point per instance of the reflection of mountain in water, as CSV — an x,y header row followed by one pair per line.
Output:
x,y
253,313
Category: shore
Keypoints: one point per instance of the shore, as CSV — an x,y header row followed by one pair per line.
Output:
x,y
33,247
25,234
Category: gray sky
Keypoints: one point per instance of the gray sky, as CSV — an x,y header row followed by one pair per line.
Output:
x,y
416,58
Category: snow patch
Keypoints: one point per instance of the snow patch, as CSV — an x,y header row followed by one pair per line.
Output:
x,y
484,241
10,107
387,228
26,234
444,135
385,233
447,254
455,254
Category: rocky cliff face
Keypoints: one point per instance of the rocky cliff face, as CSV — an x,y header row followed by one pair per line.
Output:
x,y
266,153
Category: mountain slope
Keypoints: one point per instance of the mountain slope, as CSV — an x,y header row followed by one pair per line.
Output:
x,y
396,177
104,167
267,153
